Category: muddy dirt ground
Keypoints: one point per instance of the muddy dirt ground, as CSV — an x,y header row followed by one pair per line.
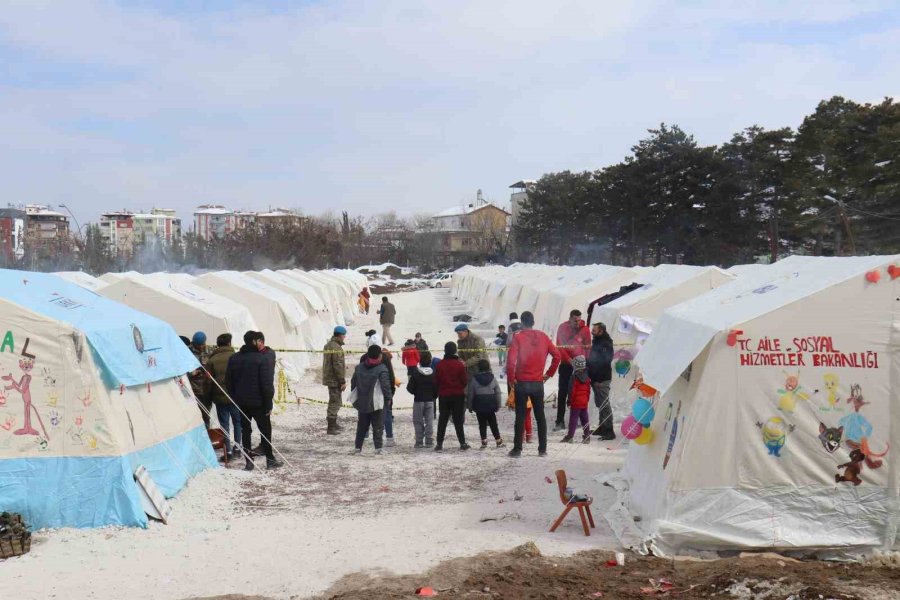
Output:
x,y
523,574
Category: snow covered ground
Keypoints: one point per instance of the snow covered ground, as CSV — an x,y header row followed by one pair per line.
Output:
x,y
295,531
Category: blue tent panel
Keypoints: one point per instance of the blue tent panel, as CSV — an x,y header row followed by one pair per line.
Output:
x,y
95,492
133,348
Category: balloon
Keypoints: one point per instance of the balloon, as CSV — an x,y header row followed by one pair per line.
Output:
x,y
645,438
631,429
622,367
643,412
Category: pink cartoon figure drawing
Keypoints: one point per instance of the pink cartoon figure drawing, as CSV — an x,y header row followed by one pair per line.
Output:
x,y
23,387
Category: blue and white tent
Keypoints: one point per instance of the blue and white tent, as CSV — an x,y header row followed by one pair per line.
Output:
x,y
89,391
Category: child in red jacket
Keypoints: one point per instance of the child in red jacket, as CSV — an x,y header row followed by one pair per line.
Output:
x,y
579,399
410,357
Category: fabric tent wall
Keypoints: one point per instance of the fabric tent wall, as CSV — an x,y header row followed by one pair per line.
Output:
x,y
326,291
104,393
187,308
312,329
275,312
767,425
79,278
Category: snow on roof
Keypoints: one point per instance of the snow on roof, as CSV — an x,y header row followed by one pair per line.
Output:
x,y
458,211
209,209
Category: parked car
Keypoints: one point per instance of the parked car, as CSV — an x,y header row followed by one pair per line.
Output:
x,y
442,280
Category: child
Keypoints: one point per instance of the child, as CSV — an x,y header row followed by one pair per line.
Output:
x,y
452,381
579,397
424,389
410,357
502,341
483,398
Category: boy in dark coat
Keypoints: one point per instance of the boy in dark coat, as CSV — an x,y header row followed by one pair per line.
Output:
x,y
424,388
483,398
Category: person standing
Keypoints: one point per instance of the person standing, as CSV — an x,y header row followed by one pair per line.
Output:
x,y
525,371
573,339
387,418
388,314
367,295
227,412
421,344
199,378
250,381
410,357
502,341
471,348
579,400
334,376
600,371
483,398
373,338
374,388
423,387
452,379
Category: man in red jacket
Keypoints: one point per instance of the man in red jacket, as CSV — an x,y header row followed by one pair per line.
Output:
x,y
573,338
452,379
525,370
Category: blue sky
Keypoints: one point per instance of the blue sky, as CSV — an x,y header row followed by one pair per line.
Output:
x,y
403,105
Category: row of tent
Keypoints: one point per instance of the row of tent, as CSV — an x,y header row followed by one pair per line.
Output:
x,y
771,394
93,393
295,309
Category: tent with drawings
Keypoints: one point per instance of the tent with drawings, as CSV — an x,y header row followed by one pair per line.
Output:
x,y
91,390
773,406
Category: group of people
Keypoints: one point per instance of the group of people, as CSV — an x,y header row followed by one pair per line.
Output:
x,y
241,385
463,380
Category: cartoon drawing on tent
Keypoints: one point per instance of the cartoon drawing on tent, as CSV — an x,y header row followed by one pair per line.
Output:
x,y
774,434
830,437
831,385
623,357
23,387
856,426
787,402
852,469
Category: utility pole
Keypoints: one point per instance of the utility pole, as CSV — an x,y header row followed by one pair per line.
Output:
x,y
842,211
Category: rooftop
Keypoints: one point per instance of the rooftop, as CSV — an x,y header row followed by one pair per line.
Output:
x,y
458,211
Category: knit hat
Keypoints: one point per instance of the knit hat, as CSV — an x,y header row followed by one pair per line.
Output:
x,y
340,330
461,327
450,348
579,363
199,338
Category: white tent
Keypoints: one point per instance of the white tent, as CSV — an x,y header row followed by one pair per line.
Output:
x,y
749,269
343,294
578,291
313,328
631,318
82,279
327,292
186,307
93,390
779,412
276,313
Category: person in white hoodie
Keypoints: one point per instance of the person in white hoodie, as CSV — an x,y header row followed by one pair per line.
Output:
x,y
424,389
373,338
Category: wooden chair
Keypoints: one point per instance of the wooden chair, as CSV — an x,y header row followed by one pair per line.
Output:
x,y
217,439
582,506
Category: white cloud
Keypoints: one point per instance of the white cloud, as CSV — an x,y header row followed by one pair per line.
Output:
x,y
396,104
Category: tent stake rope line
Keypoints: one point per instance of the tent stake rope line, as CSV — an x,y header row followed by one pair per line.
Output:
x,y
243,414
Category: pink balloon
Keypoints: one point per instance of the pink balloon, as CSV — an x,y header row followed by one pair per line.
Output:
x,y
631,428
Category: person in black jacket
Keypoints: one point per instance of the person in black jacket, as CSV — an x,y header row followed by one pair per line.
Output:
x,y
250,381
600,373
424,389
